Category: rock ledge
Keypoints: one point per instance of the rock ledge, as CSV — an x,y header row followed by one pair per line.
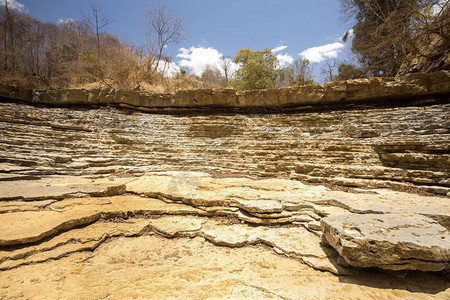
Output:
x,y
417,87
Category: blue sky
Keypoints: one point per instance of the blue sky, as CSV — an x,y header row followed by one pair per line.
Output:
x,y
311,29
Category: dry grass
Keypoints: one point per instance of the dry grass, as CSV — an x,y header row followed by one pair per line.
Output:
x,y
161,86
156,84
31,82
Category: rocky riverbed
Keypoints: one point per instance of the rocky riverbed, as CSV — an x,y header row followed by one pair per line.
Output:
x,y
107,202
187,234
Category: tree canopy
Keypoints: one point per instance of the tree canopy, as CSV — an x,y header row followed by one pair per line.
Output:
x,y
387,31
257,69
348,71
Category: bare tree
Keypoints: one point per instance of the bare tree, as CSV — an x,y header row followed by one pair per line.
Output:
x,y
298,73
70,53
8,21
226,65
97,22
328,69
5,36
211,77
163,28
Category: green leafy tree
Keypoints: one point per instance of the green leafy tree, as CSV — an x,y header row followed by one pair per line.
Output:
x,y
258,69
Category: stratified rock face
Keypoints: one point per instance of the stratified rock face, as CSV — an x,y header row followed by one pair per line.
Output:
x,y
393,147
389,241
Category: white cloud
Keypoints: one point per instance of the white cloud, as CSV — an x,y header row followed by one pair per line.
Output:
x,y
170,69
13,4
66,21
285,59
197,58
321,53
438,7
279,48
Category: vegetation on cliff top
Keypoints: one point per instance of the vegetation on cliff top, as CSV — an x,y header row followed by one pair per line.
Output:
x,y
76,53
388,36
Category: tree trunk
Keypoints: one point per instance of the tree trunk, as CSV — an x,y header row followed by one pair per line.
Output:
x,y
11,33
5,28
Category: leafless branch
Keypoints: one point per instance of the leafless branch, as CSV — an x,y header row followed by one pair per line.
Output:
x,y
163,28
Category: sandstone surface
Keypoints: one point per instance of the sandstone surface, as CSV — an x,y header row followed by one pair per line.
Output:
x,y
155,267
219,233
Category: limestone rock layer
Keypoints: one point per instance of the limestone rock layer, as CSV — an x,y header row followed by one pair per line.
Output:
x,y
338,191
397,147
419,87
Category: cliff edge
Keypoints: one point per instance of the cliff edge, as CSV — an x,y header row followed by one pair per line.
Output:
x,y
373,91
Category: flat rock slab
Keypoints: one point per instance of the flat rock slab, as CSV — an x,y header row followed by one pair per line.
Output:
x,y
60,188
367,230
76,240
389,241
295,241
386,201
12,177
171,226
5,167
148,267
30,226
260,206
20,206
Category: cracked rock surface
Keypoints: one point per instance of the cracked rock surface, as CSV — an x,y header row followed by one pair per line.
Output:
x,y
189,235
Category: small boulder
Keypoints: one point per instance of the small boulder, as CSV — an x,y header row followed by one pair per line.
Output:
x,y
389,241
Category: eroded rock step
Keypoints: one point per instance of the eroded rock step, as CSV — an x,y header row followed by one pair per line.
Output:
x,y
40,209
68,222
390,147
